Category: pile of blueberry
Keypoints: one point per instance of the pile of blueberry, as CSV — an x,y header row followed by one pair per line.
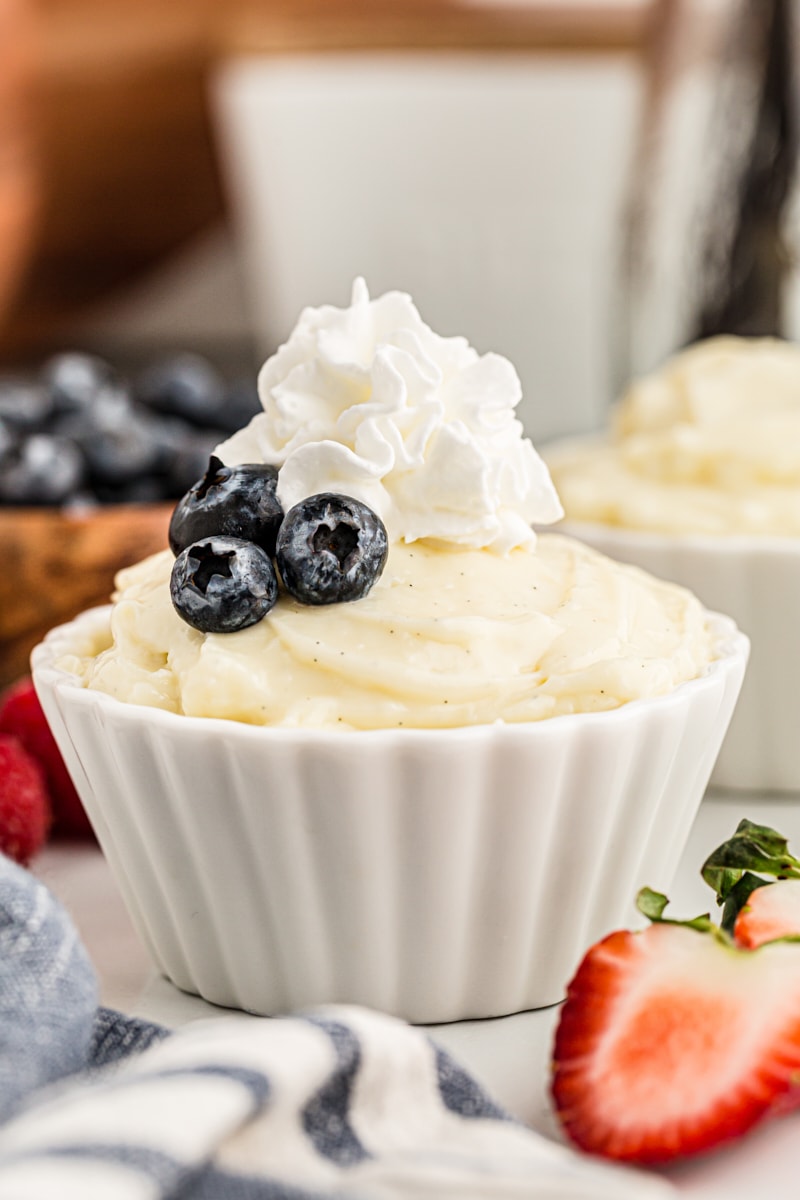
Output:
x,y
78,433
229,534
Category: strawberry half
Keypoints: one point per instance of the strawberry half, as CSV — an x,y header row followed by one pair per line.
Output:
x,y
21,715
673,1041
772,911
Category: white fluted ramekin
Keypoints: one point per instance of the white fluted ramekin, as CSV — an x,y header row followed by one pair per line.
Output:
x,y
436,875
756,581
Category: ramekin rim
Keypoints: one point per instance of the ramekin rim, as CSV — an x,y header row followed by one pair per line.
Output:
x,y
723,544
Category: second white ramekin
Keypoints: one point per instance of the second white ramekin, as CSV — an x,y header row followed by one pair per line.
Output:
x,y
756,581
436,875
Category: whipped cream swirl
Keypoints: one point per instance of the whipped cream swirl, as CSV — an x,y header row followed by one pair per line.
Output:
x,y
370,402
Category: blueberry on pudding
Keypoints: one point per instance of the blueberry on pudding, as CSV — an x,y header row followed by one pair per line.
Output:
x,y
238,502
223,584
331,548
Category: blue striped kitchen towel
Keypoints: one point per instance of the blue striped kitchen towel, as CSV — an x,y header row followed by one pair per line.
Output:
x,y
336,1104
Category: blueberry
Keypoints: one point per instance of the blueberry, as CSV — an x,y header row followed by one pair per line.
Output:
x,y
239,405
108,409
73,380
42,469
121,455
192,459
7,440
183,385
221,584
238,502
331,548
24,404
118,443
170,435
147,489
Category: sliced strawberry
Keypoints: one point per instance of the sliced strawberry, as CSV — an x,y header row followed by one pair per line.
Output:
x,y
24,807
771,911
673,1041
21,715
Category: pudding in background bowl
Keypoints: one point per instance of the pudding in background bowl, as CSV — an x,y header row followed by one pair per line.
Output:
x,y
698,481
427,800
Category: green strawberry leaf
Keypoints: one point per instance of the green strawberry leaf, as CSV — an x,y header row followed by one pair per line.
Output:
x,y
752,849
652,904
738,896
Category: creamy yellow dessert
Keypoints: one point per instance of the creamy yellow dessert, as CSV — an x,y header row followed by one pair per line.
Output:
x,y
709,444
444,638
473,620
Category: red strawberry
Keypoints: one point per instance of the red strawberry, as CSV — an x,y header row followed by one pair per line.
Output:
x,y
673,1041
772,911
24,807
21,715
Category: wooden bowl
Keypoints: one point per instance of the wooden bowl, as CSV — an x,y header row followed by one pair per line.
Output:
x,y
56,564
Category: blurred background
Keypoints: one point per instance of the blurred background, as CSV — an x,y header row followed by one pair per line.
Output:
x,y
540,175
582,186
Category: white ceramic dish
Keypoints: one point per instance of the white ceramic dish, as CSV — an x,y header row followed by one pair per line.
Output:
x,y
436,875
756,581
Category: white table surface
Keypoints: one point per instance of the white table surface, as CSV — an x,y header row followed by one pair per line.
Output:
x,y
510,1055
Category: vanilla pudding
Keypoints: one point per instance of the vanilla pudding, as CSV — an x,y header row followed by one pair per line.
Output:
x,y
443,639
708,444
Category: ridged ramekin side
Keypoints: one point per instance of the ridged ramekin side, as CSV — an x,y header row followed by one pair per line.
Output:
x,y
436,875
756,581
